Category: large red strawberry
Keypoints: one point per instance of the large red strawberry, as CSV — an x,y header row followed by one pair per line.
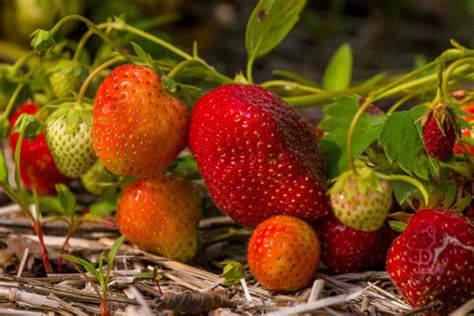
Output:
x,y
138,127
439,132
283,253
258,156
37,168
161,215
433,259
344,249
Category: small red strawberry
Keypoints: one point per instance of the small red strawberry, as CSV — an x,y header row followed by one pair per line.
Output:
x,y
37,168
139,128
344,249
283,253
439,132
258,156
361,200
161,215
433,259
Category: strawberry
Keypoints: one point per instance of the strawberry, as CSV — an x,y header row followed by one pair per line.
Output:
x,y
69,135
138,127
97,180
37,168
161,215
283,253
439,132
467,132
433,259
258,156
344,249
361,200
66,78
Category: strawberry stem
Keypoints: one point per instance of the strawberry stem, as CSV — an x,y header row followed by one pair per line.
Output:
x,y
39,232
91,25
152,38
93,74
409,180
249,69
450,70
350,135
21,62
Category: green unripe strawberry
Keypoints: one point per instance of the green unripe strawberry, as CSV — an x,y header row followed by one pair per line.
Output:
x,y
361,200
66,78
69,136
97,178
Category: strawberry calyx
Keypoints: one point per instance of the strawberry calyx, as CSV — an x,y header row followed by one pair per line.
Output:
x,y
358,181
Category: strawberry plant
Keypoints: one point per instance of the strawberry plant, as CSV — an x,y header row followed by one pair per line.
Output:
x,y
389,153
100,275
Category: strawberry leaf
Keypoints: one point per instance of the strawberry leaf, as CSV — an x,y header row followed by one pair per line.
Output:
x,y
270,22
336,123
3,169
397,226
66,198
232,273
409,154
105,206
338,73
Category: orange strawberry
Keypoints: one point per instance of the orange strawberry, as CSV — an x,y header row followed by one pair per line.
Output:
x,y
283,253
161,215
138,127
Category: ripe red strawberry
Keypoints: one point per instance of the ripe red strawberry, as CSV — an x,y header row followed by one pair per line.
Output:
x,y
468,132
258,157
37,168
344,249
433,259
161,215
283,253
138,127
439,133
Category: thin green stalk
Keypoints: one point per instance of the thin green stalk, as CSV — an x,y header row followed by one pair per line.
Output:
x,y
450,70
290,84
249,69
91,25
21,62
93,74
399,103
152,38
12,101
176,69
350,135
18,159
409,180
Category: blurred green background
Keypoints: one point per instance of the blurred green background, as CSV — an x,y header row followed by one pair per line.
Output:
x,y
389,35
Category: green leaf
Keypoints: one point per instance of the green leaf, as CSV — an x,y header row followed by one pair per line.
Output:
x,y
105,206
143,57
113,252
186,167
397,226
338,73
270,22
88,266
67,199
42,41
3,170
403,192
50,204
336,123
232,273
30,124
